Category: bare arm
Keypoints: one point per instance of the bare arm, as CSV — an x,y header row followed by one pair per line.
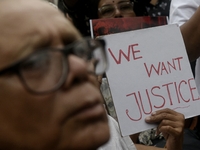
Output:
x,y
191,35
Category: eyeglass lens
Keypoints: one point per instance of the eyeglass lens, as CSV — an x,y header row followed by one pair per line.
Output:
x,y
47,70
92,51
43,71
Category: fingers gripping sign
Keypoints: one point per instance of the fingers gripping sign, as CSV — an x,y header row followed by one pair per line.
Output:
x,y
170,124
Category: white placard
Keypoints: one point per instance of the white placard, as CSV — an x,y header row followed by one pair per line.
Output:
x,y
149,70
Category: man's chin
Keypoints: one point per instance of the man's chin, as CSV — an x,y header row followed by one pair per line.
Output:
x,y
88,136
100,135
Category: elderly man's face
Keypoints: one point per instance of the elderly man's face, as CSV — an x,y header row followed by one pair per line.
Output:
x,y
71,117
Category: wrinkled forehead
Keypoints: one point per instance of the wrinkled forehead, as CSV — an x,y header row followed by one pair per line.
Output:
x,y
29,25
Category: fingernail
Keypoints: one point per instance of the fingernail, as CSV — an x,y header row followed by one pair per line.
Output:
x,y
153,113
148,118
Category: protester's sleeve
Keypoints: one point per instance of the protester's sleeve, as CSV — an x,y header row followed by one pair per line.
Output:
x,y
182,10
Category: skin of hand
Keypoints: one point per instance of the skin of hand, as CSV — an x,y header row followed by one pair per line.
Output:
x,y
154,2
171,125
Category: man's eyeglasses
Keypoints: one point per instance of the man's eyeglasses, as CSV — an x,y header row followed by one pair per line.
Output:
x,y
46,70
109,10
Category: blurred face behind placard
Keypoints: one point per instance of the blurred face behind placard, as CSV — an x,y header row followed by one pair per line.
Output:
x,y
71,117
115,9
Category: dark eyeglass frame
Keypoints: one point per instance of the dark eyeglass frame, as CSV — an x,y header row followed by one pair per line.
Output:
x,y
117,5
66,51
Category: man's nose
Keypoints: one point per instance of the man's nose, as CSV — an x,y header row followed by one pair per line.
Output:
x,y
77,71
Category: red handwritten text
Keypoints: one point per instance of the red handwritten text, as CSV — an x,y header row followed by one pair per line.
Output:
x,y
164,67
131,50
145,100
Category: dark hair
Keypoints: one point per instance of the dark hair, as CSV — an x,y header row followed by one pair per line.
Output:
x,y
139,7
90,7
93,5
87,7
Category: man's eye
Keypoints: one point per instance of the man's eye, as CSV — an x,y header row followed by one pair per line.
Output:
x,y
36,63
35,68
